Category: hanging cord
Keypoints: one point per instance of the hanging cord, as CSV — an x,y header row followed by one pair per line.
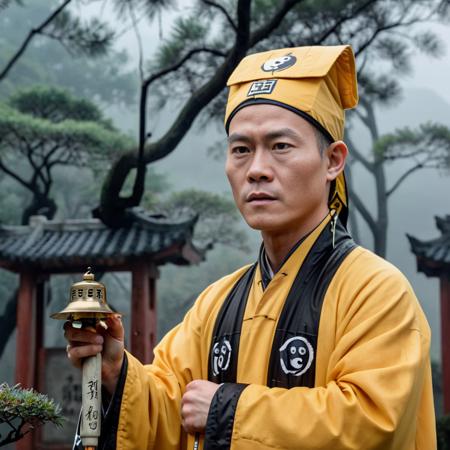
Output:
x,y
334,220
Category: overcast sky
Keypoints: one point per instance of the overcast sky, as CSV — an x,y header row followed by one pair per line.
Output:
x,y
432,73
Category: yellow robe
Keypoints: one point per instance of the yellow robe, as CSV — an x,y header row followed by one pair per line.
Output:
x,y
372,383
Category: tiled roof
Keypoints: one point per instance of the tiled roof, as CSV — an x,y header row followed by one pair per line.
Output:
x,y
59,246
433,257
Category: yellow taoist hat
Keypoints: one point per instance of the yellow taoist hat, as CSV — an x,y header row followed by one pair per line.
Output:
x,y
318,83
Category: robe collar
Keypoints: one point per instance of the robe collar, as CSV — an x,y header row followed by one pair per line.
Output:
x,y
266,271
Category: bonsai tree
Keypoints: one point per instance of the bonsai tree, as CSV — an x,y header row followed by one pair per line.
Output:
x,y
22,410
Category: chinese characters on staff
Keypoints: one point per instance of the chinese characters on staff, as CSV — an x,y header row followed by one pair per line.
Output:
x,y
92,413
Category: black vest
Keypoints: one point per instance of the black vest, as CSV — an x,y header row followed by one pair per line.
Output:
x,y
293,353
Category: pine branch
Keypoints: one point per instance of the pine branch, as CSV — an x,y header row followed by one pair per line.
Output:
x,y
138,39
15,176
344,19
30,36
265,30
138,186
224,12
198,100
390,26
401,179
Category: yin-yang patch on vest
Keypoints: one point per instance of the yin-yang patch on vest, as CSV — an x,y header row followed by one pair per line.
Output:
x,y
221,356
280,63
296,356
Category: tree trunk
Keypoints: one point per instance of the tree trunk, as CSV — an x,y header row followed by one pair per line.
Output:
x,y
40,205
380,231
380,235
353,221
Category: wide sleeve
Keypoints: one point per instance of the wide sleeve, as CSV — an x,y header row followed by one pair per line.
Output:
x,y
150,407
375,376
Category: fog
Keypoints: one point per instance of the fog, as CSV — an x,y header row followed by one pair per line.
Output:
x,y
426,97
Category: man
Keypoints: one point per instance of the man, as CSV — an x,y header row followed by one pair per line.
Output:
x,y
320,344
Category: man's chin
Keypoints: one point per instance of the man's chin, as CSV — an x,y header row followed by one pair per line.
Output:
x,y
261,224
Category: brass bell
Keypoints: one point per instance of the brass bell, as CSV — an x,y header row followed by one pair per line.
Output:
x,y
87,301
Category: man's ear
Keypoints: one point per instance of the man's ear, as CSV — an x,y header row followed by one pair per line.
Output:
x,y
336,155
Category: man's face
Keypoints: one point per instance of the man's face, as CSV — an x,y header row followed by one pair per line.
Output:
x,y
279,179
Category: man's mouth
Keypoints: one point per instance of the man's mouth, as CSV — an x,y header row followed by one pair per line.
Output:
x,y
260,197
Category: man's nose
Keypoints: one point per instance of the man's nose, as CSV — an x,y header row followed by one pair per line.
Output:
x,y
260,168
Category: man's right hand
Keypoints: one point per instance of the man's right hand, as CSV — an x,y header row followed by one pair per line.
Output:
x,y
110,342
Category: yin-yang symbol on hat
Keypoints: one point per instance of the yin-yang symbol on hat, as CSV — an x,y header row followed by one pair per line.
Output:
x,y
221,356
279,63
296,356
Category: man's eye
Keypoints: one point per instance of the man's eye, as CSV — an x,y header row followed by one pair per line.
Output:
x,y
240,150
281,146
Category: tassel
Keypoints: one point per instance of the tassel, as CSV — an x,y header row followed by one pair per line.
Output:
x,y
334,220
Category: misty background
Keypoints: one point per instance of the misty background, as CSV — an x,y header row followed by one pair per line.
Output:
x,y
198,163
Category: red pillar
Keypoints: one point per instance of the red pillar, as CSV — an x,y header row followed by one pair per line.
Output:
x,y
143,312
445,339
27,342
26,331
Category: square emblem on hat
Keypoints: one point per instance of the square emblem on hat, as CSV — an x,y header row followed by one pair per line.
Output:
x,y
261,87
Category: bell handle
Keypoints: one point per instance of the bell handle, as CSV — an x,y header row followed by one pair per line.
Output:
x,y
90,428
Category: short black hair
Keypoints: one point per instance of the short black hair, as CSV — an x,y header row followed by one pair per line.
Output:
x,y
323,142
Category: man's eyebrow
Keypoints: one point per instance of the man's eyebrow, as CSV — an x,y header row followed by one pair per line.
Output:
x,y
238,137
275,134
283,132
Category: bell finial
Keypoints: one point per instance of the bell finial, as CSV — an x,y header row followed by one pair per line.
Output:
x,y
87,300
89,276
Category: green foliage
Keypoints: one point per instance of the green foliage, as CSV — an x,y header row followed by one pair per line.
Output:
x,y
23,410
427,42
443,433
396,51
55,105
148,7
380,89
55,126
377,32
42,129
107,78
93,38
57,143
428,145
187,33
